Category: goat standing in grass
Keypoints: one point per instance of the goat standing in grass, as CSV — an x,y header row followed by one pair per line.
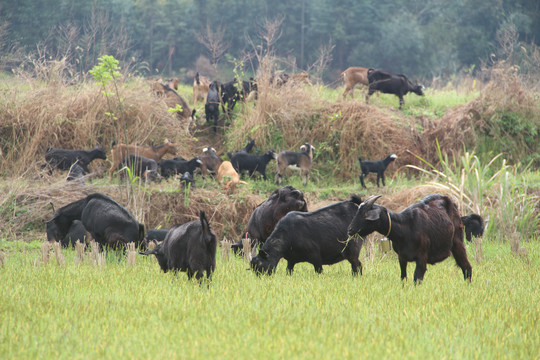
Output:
x,y
378,167
295,160
426,232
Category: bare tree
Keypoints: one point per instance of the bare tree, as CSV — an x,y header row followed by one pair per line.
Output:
x,y
324,58
213,41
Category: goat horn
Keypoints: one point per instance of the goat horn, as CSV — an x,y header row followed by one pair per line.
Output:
x,y
370,200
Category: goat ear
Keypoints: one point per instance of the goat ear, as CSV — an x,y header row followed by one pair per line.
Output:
x,y
374,214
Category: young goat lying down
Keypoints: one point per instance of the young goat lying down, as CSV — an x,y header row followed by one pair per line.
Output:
x,y
378,167
426,232
226,171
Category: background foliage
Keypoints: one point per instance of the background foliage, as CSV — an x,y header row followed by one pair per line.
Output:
x,y
420,38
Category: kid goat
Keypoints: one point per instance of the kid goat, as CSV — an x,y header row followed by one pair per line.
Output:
x,y
378,167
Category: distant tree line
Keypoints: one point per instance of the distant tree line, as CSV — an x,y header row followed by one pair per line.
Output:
x,y
421,38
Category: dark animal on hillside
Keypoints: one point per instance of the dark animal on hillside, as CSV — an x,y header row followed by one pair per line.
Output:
x,y
76,172
230,94
266,215
108,222
352,77
189,247
318,237
389,83
247,149
172,167
210,161
156,235
426,232
295,160
201,85
187,180
211,108
120,151
243,161
474,226
63,159
142,167
377,167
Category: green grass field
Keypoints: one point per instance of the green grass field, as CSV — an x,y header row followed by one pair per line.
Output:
x,y
122,311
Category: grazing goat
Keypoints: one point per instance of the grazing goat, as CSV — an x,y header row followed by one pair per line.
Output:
x,y
63,159
389,83
474,226
318,237
107,221
211,108
201,85
426,232
354,76
295,160
189,247
377,167
121,151
226,172
172,167
75,232
142,167
76,172
154,235
266,215
242,161
187,180
230,94
210,161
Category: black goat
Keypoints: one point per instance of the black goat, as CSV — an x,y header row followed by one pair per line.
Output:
x,y
230,94
247,149
187,180
266,215
189,247
318,237
390,83
474,226
172,167
242,161
107,221
63,159
142,167
426,232
211,108
377,167
296,160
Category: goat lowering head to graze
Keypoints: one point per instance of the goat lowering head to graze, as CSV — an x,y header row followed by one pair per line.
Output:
x,y
201,85
266,215
389,83
211,108
426,232
474,226
352,77
63,159
318,237
378,167
210,161
121,151
295,160
173,167
140,166
228,176
189,247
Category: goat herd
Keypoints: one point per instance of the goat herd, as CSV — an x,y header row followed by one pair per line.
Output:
x,y
282,227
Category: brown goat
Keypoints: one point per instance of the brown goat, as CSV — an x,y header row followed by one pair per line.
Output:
x,y
210,161
120,151
227,170
354,76
296,160
201,85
